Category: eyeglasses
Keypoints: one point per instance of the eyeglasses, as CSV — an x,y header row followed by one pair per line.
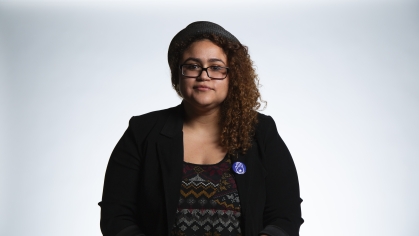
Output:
x,y
213,72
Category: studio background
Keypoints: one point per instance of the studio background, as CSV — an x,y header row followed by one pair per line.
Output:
x,y
341,79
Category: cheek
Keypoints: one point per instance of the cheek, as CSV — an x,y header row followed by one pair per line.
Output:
x,y
223,87
183,85
180,86
226,84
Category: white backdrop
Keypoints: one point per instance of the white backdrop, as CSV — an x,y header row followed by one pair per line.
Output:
x,y
341,81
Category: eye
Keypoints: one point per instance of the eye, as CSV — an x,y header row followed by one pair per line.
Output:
x,y
216,68
192,67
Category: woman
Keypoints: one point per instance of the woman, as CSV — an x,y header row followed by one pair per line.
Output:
x,y
212,165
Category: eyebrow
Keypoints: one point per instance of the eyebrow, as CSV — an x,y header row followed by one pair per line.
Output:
x,y
200,61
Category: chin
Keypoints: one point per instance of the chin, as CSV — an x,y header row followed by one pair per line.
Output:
x,y
205,103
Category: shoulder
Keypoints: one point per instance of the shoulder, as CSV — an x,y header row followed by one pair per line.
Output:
x,y
266,129
153,117
265,122
153,122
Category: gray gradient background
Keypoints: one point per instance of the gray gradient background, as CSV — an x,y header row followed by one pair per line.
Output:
x,y
341,80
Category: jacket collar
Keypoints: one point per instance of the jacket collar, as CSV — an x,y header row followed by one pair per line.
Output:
x,y
170,156
174,122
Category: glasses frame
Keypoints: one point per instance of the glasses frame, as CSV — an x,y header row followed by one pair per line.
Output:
x,y
206,70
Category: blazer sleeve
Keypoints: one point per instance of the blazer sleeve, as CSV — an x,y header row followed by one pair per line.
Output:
x,y
119,199
282,213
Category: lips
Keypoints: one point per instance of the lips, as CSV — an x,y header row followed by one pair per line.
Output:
x,y
202,87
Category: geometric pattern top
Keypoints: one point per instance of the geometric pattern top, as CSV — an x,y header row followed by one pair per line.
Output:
x,y
209,203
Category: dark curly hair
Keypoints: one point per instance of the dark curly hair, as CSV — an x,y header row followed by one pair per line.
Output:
x,y
239,110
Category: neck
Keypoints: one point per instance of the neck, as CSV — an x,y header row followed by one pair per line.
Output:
x,y
201,118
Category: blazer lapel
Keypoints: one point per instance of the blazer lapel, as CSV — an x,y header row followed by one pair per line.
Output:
x,y
246,183
170,155
242,181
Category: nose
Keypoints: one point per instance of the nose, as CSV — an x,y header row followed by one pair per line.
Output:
x,y
204,75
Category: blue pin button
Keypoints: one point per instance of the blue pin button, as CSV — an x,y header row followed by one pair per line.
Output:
x,y
239,167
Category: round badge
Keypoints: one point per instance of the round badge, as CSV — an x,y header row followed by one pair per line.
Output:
x,y
239,167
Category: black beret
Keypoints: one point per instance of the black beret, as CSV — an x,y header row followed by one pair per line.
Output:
x,y
200,28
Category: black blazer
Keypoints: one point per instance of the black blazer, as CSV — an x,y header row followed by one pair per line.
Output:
x,y
143,179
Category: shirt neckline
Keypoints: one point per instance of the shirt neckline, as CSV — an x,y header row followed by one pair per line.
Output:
x,y
194,164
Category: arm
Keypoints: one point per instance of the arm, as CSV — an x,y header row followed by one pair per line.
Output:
x,y
282,213
119,200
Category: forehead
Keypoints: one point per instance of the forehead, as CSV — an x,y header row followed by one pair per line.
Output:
x,y
204,50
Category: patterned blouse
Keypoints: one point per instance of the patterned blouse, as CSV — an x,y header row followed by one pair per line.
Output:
x,y
209,202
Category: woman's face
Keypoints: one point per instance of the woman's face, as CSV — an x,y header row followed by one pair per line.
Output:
x,y
202,92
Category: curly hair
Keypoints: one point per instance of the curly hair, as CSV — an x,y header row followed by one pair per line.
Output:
x,y
238,116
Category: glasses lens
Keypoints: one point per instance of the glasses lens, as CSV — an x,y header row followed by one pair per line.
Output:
x,y
217,72
191,70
